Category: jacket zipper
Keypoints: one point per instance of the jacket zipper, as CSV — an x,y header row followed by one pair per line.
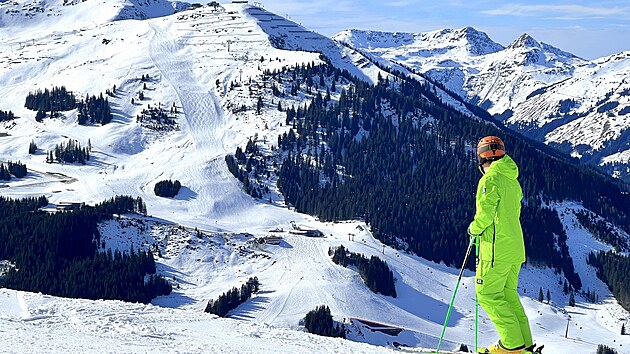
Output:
x,y
494,237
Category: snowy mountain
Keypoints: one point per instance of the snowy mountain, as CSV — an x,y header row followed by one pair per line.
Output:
x,y
470,64
466,41
204,67
65,14
542,91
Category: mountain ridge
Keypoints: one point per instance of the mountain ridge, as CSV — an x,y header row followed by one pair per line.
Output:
x,y
74,14
537,89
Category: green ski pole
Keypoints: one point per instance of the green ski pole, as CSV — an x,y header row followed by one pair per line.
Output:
x,y
450,306
476,299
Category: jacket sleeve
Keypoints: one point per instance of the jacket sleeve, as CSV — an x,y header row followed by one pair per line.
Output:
x,y
487,201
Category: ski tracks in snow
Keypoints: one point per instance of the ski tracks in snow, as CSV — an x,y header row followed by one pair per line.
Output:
x,y
13,305
202,109
205,124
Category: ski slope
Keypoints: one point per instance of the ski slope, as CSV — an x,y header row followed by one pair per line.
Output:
x,y
193,58
296,276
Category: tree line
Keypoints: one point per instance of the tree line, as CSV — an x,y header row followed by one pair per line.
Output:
x,y
320,321
92,109
6,116
602,230
231,299
58,99
374,271
167,188
253,164
614,270
58,253
16,169
157,118
69,152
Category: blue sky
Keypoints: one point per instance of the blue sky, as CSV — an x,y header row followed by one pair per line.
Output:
x,y
589,29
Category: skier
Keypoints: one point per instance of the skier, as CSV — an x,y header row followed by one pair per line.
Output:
x,y
497,228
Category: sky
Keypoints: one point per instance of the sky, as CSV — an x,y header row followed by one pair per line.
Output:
x,y
588,29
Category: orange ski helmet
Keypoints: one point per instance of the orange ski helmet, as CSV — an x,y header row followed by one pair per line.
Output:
x,y
490,148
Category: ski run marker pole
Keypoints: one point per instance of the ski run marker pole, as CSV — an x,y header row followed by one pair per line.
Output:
x,y
450,306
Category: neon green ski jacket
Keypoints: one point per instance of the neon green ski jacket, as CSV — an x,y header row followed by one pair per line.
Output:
x,y
498,209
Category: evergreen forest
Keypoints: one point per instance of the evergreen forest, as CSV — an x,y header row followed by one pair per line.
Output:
x,y
16,169
157,118
92,109
604,349
397,156
58,253
603,230
231,299
167,188
69,152
320,321
374,271
614,270
6,116
59,99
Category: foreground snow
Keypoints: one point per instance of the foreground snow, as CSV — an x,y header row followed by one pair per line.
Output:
x,y
35,323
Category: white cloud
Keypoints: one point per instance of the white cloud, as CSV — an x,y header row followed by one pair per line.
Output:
x,y
568,10
401,3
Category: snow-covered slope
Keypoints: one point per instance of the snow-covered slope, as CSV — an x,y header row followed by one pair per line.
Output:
x,y
206,64
551,95
296,276
470,64
63,15
587,112
466,41
35,323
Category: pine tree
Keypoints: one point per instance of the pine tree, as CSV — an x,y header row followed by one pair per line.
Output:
x,y
571,299
40,115
603,349
259,105
32,148
548,296
623,329
540,295
6,116
4,173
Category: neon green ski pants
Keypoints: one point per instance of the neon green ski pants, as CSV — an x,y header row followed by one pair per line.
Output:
x,y
496,291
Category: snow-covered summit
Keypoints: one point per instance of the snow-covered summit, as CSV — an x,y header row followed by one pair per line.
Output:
x,y
73,14
525,41
467,40
527,51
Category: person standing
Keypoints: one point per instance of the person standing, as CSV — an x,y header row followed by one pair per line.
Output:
x,y
497,227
